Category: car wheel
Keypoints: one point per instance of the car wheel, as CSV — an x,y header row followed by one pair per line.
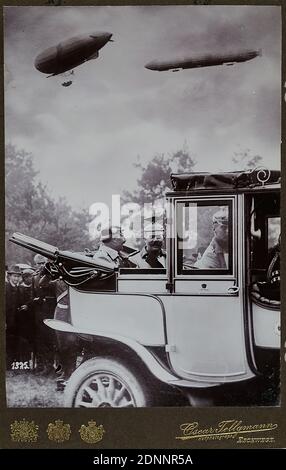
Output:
x,y
104,383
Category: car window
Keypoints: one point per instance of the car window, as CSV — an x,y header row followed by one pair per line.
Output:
x,y
204,237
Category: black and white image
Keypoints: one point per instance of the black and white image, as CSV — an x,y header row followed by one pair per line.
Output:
x,y
142,197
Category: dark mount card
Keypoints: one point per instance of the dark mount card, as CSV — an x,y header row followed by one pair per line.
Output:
x,y
142,165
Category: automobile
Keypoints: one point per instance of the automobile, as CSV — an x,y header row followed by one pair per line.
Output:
x,y
199,326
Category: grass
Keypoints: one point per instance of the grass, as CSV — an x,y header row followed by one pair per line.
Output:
x,y
26,390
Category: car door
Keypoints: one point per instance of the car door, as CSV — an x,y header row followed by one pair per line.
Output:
x,y
205,318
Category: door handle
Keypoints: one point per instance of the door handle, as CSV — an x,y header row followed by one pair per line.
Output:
x,y
233,290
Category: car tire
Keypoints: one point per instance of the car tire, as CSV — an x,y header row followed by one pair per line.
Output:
x,y
105,383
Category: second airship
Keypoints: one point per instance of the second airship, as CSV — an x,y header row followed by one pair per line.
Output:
x,y
202,60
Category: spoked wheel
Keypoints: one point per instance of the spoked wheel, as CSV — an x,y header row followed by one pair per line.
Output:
x,y
104,390
104,383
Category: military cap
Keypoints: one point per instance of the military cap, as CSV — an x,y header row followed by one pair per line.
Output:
x,y
221,217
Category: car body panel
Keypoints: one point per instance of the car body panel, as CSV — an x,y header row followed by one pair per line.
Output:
x,y
140,317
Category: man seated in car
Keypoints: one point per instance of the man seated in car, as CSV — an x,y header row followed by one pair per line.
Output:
x,y
152,254
216,254
270,288
111,248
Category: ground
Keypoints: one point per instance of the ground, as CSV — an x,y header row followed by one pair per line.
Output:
x,y
26,390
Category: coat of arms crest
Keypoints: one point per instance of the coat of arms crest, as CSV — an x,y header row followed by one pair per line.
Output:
x,y
91,433
58,431
24,431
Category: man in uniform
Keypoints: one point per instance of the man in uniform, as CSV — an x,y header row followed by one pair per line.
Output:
x,y
152,255
270,288
67,343
44,302
216,254
111,248
11,305
25,316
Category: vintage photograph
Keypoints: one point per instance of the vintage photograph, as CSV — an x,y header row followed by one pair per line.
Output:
x,y
142,206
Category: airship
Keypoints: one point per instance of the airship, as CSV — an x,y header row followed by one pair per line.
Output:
x,y
202,60
71,53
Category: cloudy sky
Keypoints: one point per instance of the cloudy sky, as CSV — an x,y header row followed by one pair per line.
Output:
x,y
86,138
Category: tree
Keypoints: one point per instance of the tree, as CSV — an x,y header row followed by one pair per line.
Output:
x,y
29,209
155,175
70,228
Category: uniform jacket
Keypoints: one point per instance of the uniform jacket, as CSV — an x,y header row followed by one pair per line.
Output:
x,y
115,258
25,318
11,304
44,300
142,260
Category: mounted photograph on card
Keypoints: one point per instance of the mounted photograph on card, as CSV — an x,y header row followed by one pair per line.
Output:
x,y
142,206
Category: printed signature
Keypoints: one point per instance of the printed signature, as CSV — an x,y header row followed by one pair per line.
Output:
x,y
228,429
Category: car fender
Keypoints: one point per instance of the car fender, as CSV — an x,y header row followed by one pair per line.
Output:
x,y
156,369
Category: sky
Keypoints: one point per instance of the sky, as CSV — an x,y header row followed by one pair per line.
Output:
x,y
86,138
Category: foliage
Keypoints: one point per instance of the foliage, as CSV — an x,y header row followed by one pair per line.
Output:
x,y
29,209
155,175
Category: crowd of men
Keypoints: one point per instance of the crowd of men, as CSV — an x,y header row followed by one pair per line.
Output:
x,y
32,296
29,342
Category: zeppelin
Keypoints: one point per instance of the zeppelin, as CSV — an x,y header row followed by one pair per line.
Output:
x,y
202,60
71,53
